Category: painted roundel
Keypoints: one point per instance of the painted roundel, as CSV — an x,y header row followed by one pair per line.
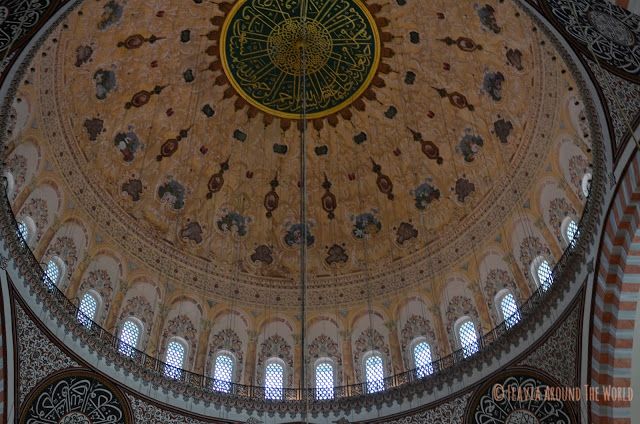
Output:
x,y
602,29
518,397
76,397
286,58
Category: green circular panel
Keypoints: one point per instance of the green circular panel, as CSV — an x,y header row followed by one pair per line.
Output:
x,y
286,57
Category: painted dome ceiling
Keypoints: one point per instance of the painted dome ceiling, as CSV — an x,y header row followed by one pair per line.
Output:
x,y
177,130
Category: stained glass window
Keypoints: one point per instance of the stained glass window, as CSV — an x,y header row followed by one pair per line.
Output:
x,y
223,373
174,360
23,231
324,381
87,310
273,381
422,359
129,336
509,309
374,373
51,274
468,338
572,233
545,279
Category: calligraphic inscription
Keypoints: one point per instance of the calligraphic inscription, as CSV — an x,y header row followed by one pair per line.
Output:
x,y
604,30
75,399
295,57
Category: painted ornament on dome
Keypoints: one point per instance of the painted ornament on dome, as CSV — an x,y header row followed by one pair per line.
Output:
x,y
288,58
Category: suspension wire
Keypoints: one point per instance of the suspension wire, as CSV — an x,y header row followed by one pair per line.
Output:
x,y
303,206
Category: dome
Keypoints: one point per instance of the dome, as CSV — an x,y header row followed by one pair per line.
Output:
x,y
293,182
194,177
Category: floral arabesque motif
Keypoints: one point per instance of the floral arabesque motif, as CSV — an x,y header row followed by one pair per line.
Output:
x,y
369,340
17,165
100,281
578,167
460,306
324,346
37,210
180,326
496,280
140,308
275,347
226,339
38,356
64,248
530,248
559,209
416,326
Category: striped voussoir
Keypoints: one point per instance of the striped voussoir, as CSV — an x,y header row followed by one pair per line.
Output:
x,y
615,297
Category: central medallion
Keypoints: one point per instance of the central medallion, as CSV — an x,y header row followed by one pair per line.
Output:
x,y
290,57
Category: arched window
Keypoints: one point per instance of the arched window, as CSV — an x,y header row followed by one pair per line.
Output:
x,y
542,273
324,380
11,184
570,231
374,373
586,184
509,309
468,337
23,231
129,336
52,273
422,359
87,309
223,372
174,359
273,380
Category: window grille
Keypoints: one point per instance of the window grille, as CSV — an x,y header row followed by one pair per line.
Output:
x,y
129,336
174,360
87,310
510,311
422,359
23,231
324,381
572,233
223,373
51,274
374,373
468,338
545,278
273,381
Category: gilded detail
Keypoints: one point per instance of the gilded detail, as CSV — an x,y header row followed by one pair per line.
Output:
x,y
314,57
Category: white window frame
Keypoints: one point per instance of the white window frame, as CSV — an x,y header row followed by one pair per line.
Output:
x,y
125,348
498,305
585,184
459,323
172,369
216,384
412,356
323,394
535,264
11,183
373,386
267,390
